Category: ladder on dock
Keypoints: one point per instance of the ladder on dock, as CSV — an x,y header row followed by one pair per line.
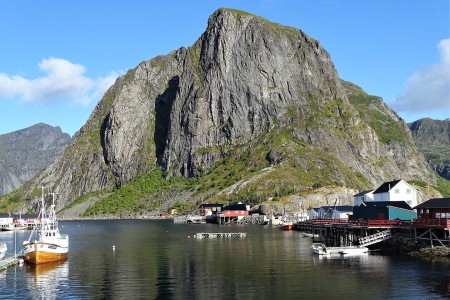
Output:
x,y
375,238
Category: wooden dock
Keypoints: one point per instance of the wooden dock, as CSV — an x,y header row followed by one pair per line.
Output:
x,y
202,235
8,262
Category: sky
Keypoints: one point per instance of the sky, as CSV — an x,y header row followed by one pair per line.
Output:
x,y
57,58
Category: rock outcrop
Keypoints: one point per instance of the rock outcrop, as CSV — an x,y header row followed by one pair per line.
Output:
x,y
433,139
247,86
25,152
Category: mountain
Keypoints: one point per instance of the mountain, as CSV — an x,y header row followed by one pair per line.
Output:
x,y
25,152
251,110
433,139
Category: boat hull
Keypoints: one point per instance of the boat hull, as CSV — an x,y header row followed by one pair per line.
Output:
x,y
41,253
286,227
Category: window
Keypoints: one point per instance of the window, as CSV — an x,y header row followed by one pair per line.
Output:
x,y
438,215
397,191
428,211
408,191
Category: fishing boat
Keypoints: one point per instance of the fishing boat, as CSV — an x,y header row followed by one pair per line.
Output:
x,y
3,249
46,244
286,225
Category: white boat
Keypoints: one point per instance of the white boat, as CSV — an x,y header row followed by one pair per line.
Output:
x,y
3,249
321,249
353,250
308,234
14,226
46,244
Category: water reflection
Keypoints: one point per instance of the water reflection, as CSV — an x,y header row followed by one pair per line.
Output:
x,y
157,260
45,281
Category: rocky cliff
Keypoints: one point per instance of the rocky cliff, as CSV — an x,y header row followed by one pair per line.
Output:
x,y
252,104
433,139
25,152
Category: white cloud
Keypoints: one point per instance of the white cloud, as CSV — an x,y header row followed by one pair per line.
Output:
x,y
63,81
428,90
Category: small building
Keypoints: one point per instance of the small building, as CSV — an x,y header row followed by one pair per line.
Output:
x,y
235,210
5,221
335,212
208,209
397,190
437,208
363,197
232,213
384,210
314,213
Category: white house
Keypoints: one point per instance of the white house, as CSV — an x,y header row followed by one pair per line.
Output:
x,y
362,197
397,190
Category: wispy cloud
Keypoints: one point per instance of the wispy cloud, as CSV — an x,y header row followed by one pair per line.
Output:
x,y
63,81
428,90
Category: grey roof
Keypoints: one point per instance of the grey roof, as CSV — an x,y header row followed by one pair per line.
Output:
x,y
205,205
435,203
362,193
338,208
236,206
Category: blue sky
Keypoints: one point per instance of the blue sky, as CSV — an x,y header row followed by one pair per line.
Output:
x,y
57,58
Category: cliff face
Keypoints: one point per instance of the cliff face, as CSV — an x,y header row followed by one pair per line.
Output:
x,y
25,152
247,85
433,139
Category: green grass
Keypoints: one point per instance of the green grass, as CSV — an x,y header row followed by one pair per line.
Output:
x,y
443,186
135,196
369,108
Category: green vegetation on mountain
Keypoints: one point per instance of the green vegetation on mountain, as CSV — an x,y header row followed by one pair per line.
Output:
x,y
371,109
252,111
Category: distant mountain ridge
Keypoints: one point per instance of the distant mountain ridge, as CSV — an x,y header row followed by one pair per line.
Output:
x,y
252,109
25,152
433,139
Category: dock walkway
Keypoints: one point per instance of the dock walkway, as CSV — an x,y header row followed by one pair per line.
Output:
x,y
202,235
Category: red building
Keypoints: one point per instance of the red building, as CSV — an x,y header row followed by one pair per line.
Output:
x,y
438,208
434,213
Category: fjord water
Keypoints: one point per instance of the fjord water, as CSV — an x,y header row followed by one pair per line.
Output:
x,y
156,259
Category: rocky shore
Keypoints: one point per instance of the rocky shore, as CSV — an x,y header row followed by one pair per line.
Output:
x,y
437,251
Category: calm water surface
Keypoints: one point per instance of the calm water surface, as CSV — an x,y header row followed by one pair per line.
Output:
x,y
161,260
